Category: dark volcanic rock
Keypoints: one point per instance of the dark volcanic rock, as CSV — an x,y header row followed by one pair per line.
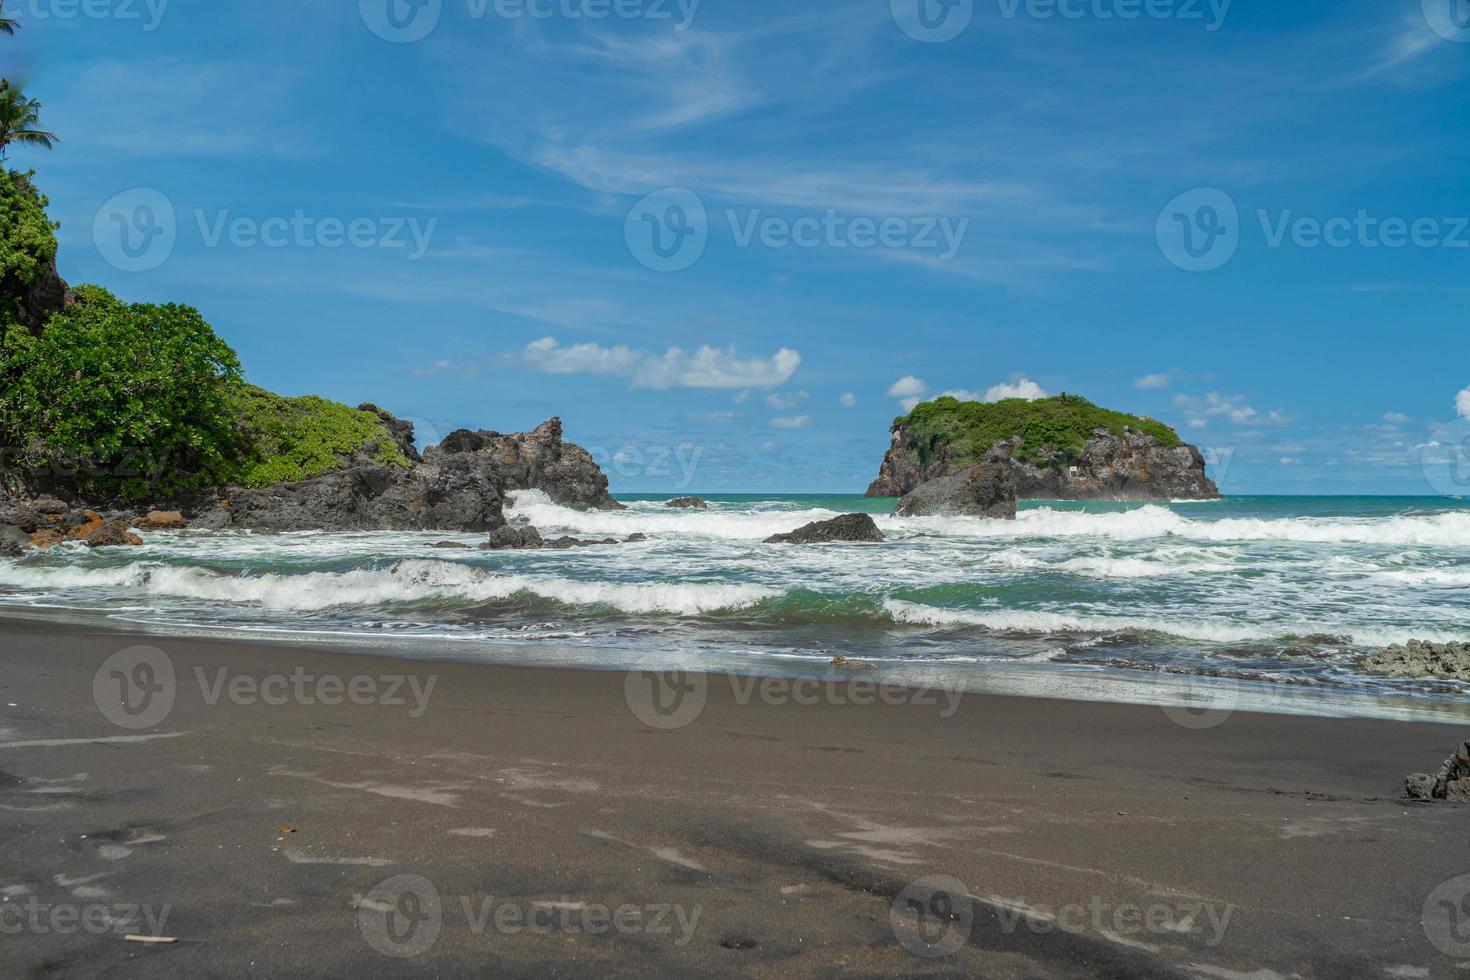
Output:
x,y
986,490
13,540
536,460
692,502
449,545
1133,466
1420,659
400,430
1451,782
514,537
848,527
635,537
47,294
568,542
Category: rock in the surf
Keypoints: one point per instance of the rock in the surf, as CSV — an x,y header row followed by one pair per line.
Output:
x,y
693,503
1416,658
848,527
983,490
514,537
13,540
1451,782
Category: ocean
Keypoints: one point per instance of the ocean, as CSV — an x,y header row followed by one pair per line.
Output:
x,y
1267,602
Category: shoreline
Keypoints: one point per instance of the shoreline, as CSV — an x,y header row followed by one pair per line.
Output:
x,y
785,830
1050,681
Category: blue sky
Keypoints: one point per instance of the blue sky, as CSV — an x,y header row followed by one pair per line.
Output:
x,y
854,208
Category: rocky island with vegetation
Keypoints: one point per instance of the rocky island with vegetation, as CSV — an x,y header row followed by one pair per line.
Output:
x,y
1059,448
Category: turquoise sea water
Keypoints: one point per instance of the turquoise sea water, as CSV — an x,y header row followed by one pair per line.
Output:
x,y
1276,593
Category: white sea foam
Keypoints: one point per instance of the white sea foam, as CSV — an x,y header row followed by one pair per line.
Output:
x,y
717,522
1035,621
408,581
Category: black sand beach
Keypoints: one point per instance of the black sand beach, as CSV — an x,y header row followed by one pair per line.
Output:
x,y
526,822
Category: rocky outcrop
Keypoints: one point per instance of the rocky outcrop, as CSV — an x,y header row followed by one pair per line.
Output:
x,y
1451,782
1419,659
458,485
1131,466
537,460
12,540
514,537
984,490
693,503
46,523
848,527
43,296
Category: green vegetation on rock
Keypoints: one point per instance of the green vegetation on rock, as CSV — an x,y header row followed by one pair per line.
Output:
x,y
1052,430
298,438
27,240
133,397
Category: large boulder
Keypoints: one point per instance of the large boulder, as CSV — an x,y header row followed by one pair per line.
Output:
x,y
691,503
535,460
848,527
986,490
13,541
1451,782
514,537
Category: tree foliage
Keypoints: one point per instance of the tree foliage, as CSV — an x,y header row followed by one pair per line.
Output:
x,y
297,438
1052,430
27,240
132,398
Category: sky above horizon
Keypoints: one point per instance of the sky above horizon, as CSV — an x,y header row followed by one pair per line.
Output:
x,y
729,242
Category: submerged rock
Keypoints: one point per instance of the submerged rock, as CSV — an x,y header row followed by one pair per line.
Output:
x,y
985,490
848,527
694,503
568,542
1451,782
1421,659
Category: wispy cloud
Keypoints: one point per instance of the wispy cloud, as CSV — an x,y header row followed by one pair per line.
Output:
x,y
707,367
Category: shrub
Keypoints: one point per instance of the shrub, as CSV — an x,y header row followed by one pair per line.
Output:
x,y
1052,430
297,438
137,395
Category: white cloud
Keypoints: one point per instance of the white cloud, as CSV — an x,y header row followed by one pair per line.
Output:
x,y
1289,461
707,367
1399,418
908,386
1233,408
1150,381
848,399
1022,388
792,422
1462,403
466,371
782,402
965,395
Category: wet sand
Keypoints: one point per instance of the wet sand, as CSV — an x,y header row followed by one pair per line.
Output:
x,y
459,819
